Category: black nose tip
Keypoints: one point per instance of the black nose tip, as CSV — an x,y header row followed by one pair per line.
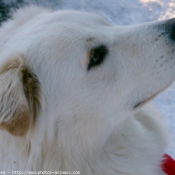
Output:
x,y
170,28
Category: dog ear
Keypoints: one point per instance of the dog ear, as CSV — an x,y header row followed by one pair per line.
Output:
x,y
19,96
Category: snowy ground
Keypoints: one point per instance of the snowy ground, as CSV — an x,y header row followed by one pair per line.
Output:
x,y
121,12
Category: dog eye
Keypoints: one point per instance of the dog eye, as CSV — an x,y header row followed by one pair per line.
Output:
x,y
97,56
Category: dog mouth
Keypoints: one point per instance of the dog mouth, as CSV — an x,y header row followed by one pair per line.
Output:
x,y
143,102
146,100
138,104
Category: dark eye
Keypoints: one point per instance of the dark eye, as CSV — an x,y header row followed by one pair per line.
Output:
x,y
97,56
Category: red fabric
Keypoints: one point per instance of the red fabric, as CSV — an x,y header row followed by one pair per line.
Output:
x,y
168,165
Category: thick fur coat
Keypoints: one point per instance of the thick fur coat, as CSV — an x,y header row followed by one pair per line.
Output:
x,y
73,92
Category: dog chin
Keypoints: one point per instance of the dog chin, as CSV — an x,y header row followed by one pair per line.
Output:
x,y
143,102
140,104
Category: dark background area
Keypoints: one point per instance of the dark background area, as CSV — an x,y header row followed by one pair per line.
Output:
x,y
6,8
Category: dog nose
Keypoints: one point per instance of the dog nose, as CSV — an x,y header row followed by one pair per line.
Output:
x,y
170,28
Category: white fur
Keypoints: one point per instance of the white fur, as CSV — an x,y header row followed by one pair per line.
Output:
x,y
87,121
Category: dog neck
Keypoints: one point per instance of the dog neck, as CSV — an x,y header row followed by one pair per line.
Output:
x,y
99,156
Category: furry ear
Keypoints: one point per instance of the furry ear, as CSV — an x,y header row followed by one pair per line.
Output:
x,y
19,96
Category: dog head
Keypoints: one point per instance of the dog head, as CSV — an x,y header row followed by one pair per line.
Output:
x,y
85,69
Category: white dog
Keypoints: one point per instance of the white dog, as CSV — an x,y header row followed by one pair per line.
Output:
x,y
73,90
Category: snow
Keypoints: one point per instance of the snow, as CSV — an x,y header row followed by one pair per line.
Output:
x,y
128,12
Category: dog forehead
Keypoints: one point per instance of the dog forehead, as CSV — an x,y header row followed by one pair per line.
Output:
x,y
61,24
65,26
77,17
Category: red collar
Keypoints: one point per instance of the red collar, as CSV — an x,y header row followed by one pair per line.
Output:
x,y
168,165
